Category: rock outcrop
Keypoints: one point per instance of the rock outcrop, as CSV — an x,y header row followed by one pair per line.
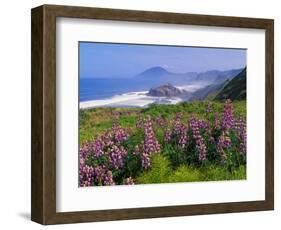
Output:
x,y
166,90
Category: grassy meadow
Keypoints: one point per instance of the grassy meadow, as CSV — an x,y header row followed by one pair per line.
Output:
x,y
188,144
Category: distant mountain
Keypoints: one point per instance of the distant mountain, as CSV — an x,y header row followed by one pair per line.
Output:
x,y
217,76
234,89
162,75
156,71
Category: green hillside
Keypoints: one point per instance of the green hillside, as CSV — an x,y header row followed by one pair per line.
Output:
x,y
235,89
172,132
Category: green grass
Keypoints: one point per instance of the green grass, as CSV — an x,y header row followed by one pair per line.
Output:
x,y
98,120
162,172
163,169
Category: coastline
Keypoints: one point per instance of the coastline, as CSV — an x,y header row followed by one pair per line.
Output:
x,y
132,99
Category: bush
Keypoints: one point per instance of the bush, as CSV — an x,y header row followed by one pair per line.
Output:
x,y
185,173
222,173
159,171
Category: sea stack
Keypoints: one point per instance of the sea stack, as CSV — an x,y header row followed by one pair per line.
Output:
x,y
166,90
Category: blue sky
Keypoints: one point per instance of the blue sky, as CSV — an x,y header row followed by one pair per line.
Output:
x,y
99,60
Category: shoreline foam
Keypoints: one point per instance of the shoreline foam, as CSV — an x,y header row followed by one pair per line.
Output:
x,y
132,99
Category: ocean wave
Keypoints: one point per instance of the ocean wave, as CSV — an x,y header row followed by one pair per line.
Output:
x,y
131,99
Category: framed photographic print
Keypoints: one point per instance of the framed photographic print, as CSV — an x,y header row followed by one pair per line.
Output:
x,y
141,114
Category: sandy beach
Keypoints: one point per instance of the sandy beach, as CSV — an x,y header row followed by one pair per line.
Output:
x,y
132,99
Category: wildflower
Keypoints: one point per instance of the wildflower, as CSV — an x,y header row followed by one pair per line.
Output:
x,y
119,133
86,175
108,178
151,144
199,141
183,140
240,129
116,156
97,147
177,128
159,121
167,135
139,122
224,142
201,124
145,160
99,171
180,131
107,139
228,117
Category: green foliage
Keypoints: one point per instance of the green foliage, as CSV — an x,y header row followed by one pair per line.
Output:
x,y
175,155
172,164
222,173
162,172
185,173
158,173
92,122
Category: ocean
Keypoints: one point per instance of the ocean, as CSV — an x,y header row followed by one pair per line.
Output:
x,y
104,88
129,92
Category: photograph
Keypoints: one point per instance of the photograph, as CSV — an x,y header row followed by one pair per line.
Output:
x,y
151,114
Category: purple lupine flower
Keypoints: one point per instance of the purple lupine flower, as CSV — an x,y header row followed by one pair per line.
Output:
x,y
199,141
97,147
86,175
201,124
167,135
108,178
180,131
84,150
145,157
183,139
201,147
107,139
116,156
151,144
224,142
99,171
129,181
177,128
145,160
119,133
208,128
159,121
228,117
139,122
240,129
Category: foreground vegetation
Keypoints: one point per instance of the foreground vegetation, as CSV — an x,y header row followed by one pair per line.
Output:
x,y
198,141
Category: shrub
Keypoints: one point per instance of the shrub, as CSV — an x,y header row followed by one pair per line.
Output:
x,y
185,173
159,171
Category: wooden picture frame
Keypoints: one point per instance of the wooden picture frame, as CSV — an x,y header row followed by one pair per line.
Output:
x,y
43,202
